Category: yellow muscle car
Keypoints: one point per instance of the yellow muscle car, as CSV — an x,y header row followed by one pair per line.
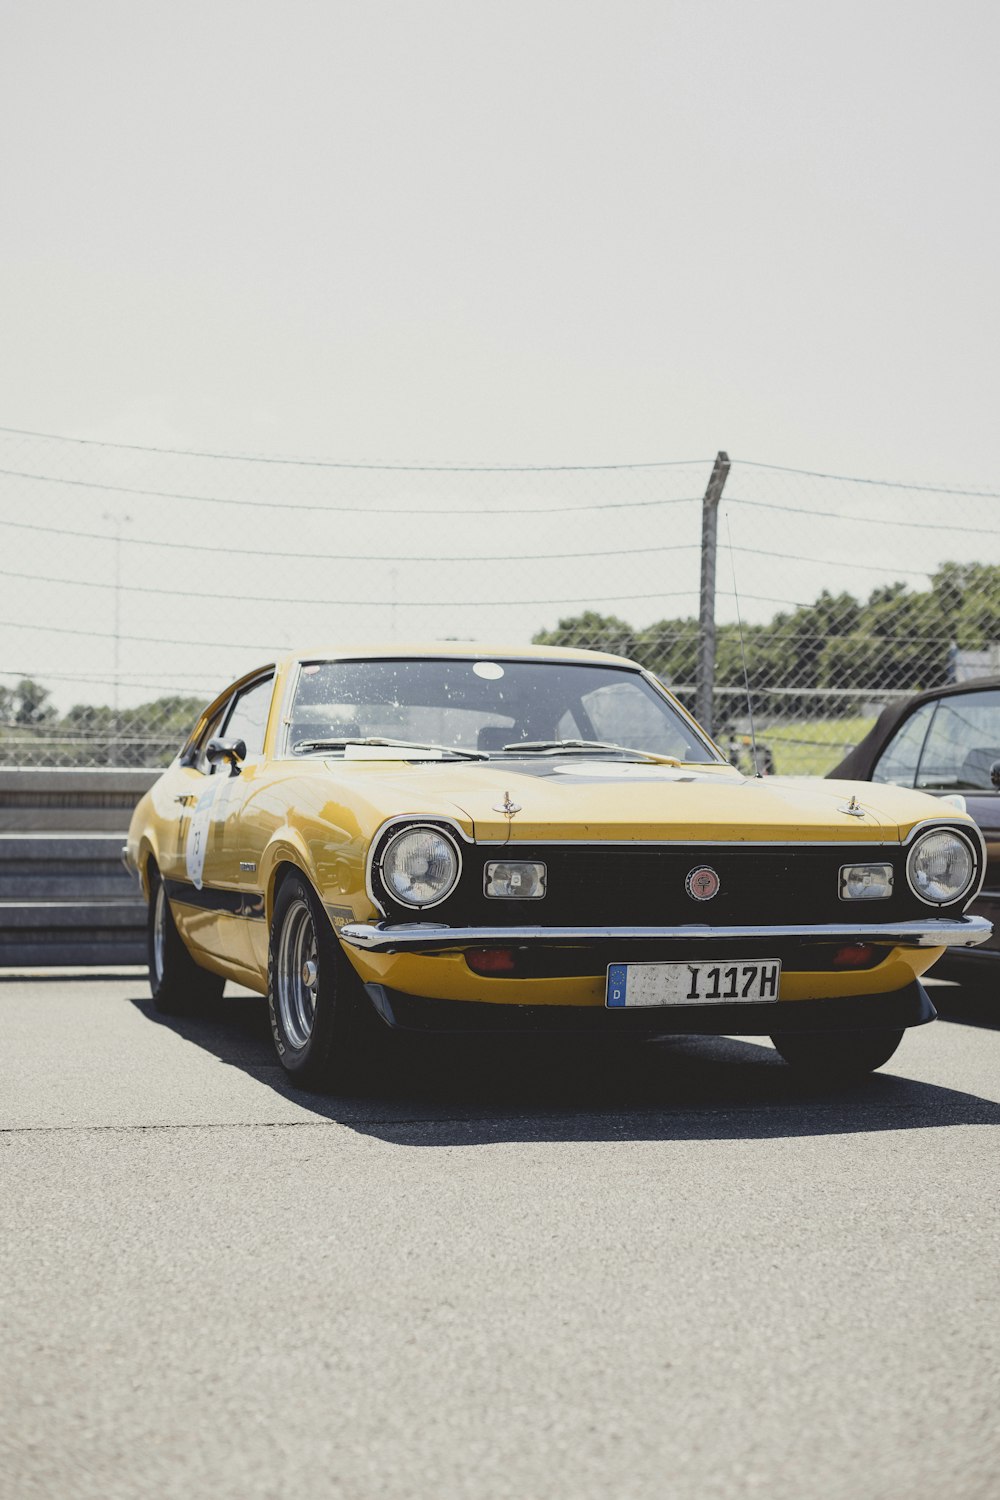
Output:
x,y
456,837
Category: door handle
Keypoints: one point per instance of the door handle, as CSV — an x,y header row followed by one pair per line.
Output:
x,y
184,799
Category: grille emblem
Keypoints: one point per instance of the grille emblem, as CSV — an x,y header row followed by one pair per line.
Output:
x,y
702,883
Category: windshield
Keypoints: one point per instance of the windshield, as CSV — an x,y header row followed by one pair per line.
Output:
x,y
446,704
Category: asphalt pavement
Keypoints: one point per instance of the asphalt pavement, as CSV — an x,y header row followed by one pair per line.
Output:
x,y
520,1272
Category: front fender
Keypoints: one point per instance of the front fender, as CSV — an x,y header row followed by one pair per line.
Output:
x,y
142,842
286,847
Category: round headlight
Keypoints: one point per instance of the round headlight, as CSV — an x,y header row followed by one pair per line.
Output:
x,y
420,866
941,867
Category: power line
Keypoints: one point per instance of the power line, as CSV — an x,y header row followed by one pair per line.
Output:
x,y
383,557
835,562
407,603
323,463
300,599
158,640
888,484
336,510
868,520
106,679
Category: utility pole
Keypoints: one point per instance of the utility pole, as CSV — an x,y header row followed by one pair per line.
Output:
x,y
706,614
118,521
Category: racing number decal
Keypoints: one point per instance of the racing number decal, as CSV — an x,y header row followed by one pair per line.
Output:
x,y
197,837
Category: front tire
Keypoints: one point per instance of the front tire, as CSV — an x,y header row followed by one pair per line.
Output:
x,y
178,985
321,1023
836,1056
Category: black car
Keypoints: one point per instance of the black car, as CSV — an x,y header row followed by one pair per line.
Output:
x,y
947,742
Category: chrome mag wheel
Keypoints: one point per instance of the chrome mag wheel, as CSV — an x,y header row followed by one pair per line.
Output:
x,y
297,973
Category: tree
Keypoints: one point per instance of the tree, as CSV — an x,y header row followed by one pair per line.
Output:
x,y
592,632
31,705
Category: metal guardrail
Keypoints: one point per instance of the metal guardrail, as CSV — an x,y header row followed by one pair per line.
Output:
x,y
65,898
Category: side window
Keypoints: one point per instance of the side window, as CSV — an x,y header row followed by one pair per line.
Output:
x,y
201,762
247,719
963,744
900,758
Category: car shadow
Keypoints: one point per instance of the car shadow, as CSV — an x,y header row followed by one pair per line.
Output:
x,y
969,1003
447,1091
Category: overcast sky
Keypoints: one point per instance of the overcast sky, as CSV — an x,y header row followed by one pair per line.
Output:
x,y
444,231
556,231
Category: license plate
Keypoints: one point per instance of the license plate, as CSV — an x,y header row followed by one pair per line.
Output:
x,y
735,981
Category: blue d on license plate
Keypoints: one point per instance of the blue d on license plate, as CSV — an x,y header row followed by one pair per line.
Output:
x,y
742,981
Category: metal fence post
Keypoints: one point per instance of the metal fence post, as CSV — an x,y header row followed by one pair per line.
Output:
x,y
706,611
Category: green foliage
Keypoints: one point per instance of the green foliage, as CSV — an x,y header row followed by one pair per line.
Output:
x,y
592,632
92,734
29,703
898,638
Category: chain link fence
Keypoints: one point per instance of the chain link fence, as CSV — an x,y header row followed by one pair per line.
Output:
x,y
137,582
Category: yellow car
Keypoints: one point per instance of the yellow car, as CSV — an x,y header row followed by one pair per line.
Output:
x,y
452,837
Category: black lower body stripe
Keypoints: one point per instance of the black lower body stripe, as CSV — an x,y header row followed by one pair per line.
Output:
x,y
248,904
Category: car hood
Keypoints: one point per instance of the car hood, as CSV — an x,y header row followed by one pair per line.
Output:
x,y
585,800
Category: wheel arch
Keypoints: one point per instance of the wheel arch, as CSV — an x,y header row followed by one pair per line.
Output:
x,y
286,852
148,855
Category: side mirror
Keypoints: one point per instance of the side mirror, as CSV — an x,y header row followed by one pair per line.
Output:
x,y
995,774
233,751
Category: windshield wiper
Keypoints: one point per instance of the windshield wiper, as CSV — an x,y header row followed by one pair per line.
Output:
x,y
301,746
551,747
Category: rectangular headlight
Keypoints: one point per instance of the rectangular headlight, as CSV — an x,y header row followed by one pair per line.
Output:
x,y
516,879
865,882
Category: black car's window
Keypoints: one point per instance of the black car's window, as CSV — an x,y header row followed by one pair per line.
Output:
x,y
900,758
484,705
947,745
962,744
247,719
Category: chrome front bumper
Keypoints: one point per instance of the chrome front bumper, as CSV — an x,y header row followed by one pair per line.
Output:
x,y
432,937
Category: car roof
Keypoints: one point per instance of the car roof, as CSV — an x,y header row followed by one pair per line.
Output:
x,y
950,690
459,650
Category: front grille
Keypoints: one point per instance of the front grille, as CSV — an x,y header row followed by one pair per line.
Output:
x,y
644,885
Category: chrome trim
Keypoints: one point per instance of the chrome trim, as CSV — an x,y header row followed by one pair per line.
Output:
x,y
675,703
412,825
428,937
973,888
382,829
292,679
873,837
961,825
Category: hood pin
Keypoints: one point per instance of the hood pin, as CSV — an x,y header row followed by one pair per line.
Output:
x,y
507,807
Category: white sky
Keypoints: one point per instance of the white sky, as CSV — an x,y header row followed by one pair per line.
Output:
x,y
553,231
539,233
